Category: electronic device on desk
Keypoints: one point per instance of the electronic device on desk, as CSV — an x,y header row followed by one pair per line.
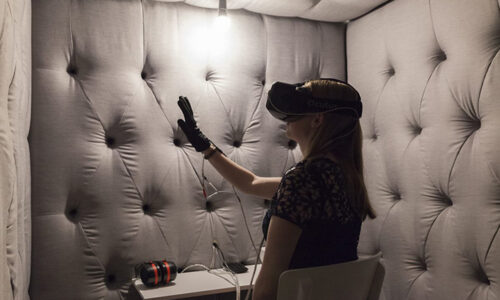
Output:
x,y
237,267
155,273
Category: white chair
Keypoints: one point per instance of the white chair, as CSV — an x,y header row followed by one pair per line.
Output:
x,y
360,279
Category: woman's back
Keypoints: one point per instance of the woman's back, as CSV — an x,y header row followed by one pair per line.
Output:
x,y
313,196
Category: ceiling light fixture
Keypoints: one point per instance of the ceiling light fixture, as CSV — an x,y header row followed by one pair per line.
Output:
x,y
222,20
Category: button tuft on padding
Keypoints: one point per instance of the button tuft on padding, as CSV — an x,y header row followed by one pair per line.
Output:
x,y
477,124
177,142
237,144
397,196
423,264
209,75
143,75
110,142
111,278
146,208
292,144
447,200
391,71
72,215
71,70
111,281
209,206
482,276
441,56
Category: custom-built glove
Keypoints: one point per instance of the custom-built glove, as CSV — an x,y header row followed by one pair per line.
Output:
x,y
199,141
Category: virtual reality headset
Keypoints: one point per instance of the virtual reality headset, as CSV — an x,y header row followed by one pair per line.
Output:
x,y
289,102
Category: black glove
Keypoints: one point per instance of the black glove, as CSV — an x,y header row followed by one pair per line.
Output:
x,y
199,141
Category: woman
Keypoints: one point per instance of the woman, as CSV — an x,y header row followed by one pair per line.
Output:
x,y
319,204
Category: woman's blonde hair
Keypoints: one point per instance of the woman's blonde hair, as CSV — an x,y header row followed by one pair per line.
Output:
x,y
341,135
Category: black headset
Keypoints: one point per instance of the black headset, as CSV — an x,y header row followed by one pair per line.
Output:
x,y
287,102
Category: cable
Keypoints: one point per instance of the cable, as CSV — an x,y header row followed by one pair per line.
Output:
x,y
203,186
213,272
195,265
216,249
246,224
250,287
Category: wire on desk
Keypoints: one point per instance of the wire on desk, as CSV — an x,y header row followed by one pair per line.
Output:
x,y
202,181
250,288
218,251
203,186
214,272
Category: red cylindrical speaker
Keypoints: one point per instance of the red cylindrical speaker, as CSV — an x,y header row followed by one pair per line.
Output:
x,y
156,273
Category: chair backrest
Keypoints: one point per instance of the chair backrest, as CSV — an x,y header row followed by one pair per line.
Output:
x,y
360,279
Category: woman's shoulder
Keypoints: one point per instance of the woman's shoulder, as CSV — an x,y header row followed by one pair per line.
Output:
x,y
320,165
311,167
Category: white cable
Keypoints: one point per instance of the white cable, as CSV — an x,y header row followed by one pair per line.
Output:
x,y
257,259
226,267
195,265
202,182
213,273
250,287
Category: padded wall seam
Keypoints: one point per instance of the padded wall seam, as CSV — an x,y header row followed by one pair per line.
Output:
x,y
157,100
382,226
413,283
84,234
486,73
490,244
423,94
223,106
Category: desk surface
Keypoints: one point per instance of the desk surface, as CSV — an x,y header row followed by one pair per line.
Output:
x,y
198,283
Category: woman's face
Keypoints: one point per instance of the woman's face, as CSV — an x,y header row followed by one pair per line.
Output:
x,y
300,130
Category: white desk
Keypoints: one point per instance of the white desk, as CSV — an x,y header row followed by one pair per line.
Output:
x,y
198,283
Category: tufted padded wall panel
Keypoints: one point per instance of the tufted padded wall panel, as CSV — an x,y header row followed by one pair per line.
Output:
x,y
15,87
115,182
319,10
429,74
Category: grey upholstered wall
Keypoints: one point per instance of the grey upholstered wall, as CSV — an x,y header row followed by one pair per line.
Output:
x,y
114,180
429,75
115,183
15,94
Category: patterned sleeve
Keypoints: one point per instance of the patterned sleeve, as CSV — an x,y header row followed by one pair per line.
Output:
x,y
295,197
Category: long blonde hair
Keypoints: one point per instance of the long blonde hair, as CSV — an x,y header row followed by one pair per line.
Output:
x,y
336,136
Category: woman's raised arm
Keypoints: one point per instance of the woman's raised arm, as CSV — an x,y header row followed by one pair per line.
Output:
x,y
241,178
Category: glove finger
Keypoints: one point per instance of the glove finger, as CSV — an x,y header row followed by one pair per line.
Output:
x,y
182,106
189,110
191,120
184,127
188,104
186,111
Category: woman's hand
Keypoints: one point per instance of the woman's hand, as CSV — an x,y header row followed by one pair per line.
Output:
x,y
199,141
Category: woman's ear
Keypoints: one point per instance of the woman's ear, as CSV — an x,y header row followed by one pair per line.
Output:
x,y
317,120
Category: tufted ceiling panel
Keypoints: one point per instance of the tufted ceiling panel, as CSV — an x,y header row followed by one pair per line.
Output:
x,y
428,72
319,10
115,182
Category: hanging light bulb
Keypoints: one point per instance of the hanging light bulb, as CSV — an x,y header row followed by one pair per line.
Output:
x,y
222,20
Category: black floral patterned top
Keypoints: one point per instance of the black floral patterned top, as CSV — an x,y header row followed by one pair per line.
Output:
x,y
313,196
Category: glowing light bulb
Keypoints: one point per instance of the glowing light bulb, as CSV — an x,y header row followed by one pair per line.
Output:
x,y
221,24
